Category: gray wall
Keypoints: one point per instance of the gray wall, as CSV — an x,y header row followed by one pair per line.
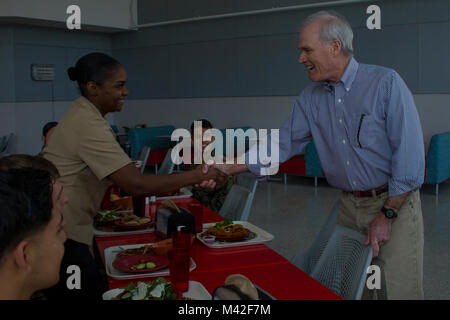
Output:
x,y
235,71
257,55
26,105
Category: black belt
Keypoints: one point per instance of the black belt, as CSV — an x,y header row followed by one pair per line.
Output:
x,y
369,193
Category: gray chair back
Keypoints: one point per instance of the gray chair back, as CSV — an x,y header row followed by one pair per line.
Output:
x,y
145,152
5,144
307,260
247,180
235,203
167,165
342,267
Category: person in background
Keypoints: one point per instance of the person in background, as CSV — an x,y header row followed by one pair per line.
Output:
x,y
31,232
89,159
47,131
212,198
368,135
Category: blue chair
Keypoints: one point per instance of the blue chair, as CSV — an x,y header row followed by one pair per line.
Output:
x,y
151,136
438,160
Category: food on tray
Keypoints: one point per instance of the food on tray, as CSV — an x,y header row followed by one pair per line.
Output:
x,y
133,220
124,203
227,228
171,206
141,250
160,248
106,215
143,265
156,290
114,197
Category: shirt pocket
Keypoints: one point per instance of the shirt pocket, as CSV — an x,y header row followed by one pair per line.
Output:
x,y
363,131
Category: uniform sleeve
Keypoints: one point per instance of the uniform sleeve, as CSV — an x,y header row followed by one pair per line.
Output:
x,y
99,149
292,138
406,139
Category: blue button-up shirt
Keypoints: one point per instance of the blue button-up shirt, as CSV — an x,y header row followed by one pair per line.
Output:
x,y
366,130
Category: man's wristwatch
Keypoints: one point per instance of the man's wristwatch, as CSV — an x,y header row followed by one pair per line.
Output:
x,y
389,213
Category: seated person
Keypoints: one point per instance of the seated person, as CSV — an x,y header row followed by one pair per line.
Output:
x,y
212,198
47,131
32,235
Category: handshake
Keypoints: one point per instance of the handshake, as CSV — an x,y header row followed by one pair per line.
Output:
x,y
215,174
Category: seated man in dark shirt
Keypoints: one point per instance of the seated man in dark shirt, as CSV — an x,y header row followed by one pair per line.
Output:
x,y
212,198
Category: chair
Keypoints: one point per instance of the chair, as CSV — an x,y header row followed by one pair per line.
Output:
x,y
5,144
235,203
342,267
167,165
143,157
438,160
247,180
308,260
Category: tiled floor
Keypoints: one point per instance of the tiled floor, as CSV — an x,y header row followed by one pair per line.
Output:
x,y
294,214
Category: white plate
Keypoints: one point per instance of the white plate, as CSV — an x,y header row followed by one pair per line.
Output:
x,y
196,291
186,193
261,236
111,254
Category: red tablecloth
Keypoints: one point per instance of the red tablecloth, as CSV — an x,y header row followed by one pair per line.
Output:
x,y
259,263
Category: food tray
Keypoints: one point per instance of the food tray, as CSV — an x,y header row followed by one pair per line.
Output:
x,y
185,193
100,233
111,254
196,291
261,236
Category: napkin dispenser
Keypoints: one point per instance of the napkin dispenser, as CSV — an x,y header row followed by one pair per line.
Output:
x,y
167,221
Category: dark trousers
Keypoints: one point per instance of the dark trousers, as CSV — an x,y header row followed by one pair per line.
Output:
x,y
92,284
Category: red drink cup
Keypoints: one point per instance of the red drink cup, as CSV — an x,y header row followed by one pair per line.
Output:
x,y
181,239
139,206
179,262
197,211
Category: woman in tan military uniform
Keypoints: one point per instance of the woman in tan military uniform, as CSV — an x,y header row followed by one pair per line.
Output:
x,y
88,157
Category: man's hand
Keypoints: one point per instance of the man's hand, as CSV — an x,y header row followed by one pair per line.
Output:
x,y
379,232
210,176
227,169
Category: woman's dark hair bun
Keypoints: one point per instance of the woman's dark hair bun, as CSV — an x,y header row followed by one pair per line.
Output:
x,y
73,74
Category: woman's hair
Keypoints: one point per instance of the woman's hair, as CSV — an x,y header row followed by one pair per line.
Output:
x,y
95,67
48,126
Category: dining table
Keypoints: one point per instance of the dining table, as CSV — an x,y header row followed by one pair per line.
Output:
x,y
262,265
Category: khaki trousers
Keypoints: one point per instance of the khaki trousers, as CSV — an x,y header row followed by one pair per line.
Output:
x,y
401,258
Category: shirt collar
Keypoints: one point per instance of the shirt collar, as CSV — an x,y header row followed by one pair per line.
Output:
x,y
350,74
347,78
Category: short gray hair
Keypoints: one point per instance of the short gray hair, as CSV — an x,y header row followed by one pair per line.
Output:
x,y
335,28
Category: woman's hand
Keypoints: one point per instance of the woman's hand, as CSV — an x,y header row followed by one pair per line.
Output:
x,y
210,176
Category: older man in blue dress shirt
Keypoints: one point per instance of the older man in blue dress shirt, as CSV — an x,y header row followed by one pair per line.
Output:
x,y
369,139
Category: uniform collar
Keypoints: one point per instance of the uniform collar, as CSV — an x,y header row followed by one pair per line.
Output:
x,y
86,102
